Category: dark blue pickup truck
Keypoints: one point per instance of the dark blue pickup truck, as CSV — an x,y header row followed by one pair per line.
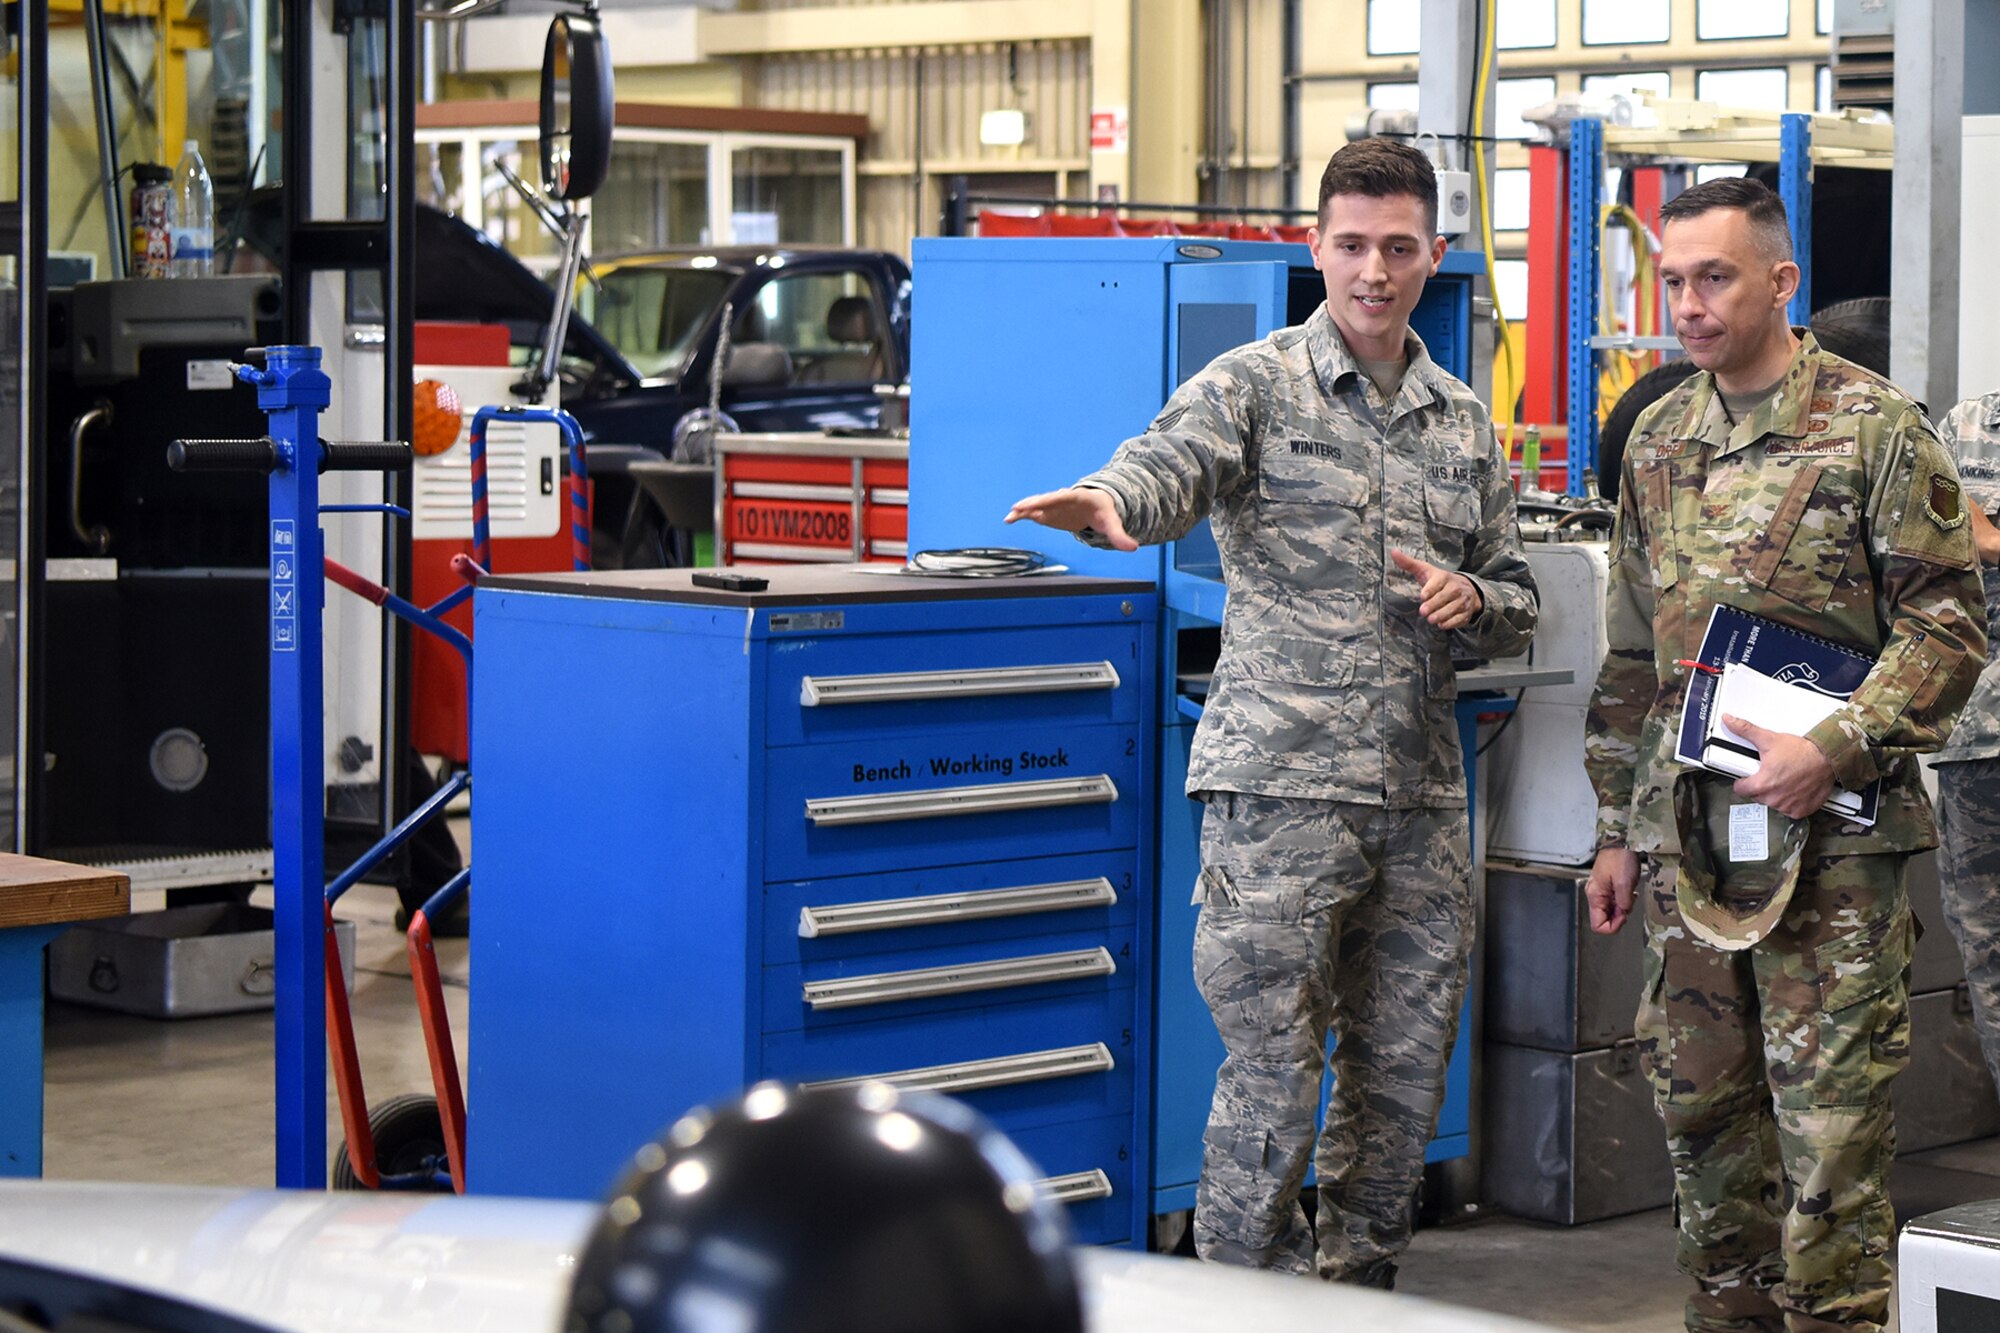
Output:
x,y
814,336
813,332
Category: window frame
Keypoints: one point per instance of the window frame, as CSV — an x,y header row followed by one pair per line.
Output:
x,y
1784,73
1666,9
1702,7
1368,36
1555,26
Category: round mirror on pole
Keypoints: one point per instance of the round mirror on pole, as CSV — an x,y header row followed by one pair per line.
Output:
x,y
576,108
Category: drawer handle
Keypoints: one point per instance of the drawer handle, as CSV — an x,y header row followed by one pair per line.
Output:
x,y
933,909
819,555
979,683
999,1072
961,979
771,490
937,802
1078,1187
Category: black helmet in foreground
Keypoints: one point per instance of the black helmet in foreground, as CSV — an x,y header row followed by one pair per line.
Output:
x,y
856,1209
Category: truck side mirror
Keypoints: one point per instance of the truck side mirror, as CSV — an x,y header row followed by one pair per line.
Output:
x,y
576,107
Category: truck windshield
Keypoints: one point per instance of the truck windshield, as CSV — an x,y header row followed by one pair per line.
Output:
x,y
652,313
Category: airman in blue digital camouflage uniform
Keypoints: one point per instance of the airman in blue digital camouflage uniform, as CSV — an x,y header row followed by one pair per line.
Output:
x,y
1366,526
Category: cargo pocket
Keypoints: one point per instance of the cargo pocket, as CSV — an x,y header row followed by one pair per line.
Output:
x,y
1256,964
1238,1173
1650,1026
1656,502
1922,669
1806,548
1290,697
1310,478
1451,514
1863,1027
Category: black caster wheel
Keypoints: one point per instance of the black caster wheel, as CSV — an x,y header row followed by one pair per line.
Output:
x,y
409,1142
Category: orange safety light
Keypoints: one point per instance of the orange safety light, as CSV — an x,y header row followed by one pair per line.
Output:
x,y
436,417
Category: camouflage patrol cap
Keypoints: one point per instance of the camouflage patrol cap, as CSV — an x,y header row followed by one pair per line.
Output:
x,y
1731,904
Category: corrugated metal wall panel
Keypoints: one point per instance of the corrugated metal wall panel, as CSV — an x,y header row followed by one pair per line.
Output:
x,y
1245,168
1051,80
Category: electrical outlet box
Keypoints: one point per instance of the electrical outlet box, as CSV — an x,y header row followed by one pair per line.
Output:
x,y
1454,203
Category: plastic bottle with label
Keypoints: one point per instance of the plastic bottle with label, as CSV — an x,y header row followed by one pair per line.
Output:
x,y
194,215
1531,459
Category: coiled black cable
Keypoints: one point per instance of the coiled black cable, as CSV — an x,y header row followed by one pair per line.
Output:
x,y
978,562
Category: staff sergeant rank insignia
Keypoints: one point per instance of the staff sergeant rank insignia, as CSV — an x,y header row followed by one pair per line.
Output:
x,y
1942,502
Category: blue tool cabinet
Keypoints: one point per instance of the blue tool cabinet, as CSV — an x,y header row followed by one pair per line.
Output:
x,y
854,825
1035,358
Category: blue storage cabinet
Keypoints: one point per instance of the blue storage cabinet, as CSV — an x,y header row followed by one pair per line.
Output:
x,y
1031,360
850,826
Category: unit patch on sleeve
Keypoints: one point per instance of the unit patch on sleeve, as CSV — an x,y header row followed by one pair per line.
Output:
x,y
1942,504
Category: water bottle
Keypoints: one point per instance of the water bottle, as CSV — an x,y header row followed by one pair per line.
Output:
x,y
194,215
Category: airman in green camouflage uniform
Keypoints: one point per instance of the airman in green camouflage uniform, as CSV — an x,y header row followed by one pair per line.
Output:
x,y
1366,528
1968,767
1823,501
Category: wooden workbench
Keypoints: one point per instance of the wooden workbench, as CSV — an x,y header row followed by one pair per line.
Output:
x,y
39,899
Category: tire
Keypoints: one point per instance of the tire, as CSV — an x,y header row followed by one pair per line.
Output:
x,y
1648,389
409,1135
1856,330
649,542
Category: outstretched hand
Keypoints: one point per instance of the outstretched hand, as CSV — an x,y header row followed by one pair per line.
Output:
x,y
1449,599
1073,509
1792,776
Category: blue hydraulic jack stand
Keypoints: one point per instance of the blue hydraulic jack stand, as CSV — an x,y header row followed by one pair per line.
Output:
x,y
293,390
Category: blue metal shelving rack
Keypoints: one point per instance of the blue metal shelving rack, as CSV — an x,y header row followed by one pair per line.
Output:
x,y
1586,201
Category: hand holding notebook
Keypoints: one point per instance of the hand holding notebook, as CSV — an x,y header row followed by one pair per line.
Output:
x,y
1791,707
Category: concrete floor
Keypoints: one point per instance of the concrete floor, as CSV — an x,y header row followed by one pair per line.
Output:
x,y
134,1099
